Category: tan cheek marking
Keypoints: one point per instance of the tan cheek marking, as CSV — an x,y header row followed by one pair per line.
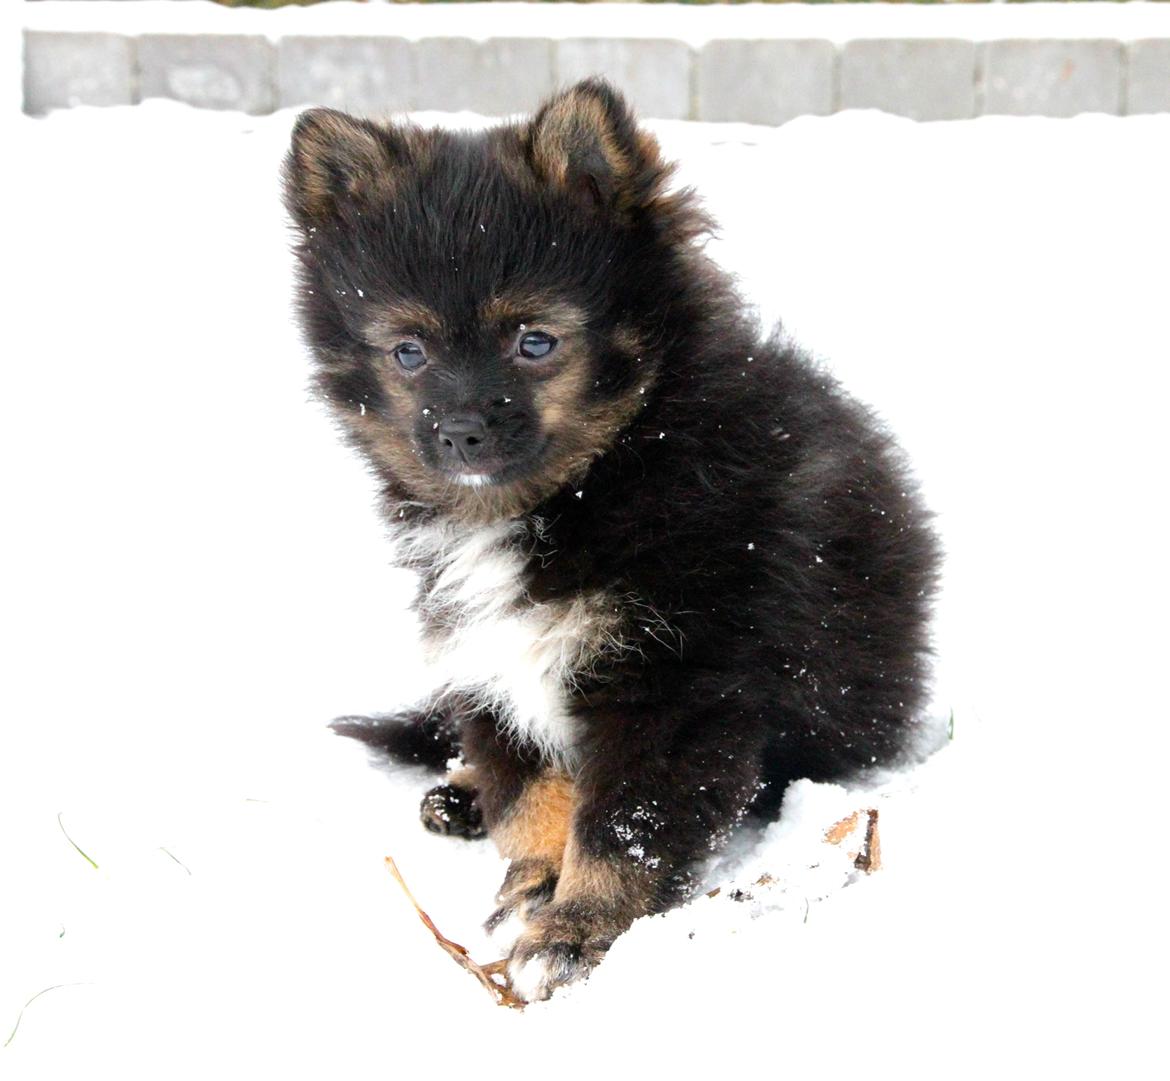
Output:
x,y
561,397
388,436
537,826
610,418
389,429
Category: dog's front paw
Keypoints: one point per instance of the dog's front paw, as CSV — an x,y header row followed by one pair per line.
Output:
x,y
562,945
451,809
528,886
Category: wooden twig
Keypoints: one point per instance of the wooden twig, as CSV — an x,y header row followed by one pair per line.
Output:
x,y
501,994
868,857
837,832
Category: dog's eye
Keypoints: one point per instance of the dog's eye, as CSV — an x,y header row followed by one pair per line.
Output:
x,y
410,356
537,344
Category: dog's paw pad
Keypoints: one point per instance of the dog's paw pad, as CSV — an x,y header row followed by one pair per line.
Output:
x,y
532,979
562,946
534,976
452,811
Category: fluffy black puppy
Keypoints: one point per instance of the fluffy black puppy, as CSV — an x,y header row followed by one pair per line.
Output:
x,y
666,567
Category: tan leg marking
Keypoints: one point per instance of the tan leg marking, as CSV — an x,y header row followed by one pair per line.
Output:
x,y
537,826
533,836
584,877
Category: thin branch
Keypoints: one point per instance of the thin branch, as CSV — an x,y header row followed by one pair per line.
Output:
x,y
501,994
869,859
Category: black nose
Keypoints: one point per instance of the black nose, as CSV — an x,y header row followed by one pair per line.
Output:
x,y
462,436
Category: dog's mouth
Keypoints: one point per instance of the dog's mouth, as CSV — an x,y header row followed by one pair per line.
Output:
x,y
485,475
496,472
474,480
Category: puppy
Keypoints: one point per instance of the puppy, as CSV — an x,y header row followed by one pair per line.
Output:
x,y
666,567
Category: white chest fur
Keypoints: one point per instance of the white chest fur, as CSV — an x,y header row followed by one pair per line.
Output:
x,y
487,639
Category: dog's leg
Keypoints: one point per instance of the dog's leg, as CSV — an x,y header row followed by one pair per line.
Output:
x,y
452,808
597,897
532,833
640,830
490,775
523,805
427,737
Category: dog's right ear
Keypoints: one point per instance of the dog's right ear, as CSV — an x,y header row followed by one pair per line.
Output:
x,y
337,163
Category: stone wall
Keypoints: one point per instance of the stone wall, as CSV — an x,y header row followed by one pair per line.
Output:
x,y
763,69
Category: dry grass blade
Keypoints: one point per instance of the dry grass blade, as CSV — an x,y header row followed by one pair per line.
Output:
x,y
20,1016
175,858
501,993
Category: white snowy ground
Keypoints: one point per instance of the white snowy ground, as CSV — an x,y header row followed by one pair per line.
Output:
x,y
195,581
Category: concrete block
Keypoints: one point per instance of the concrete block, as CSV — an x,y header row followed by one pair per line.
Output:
x,y
496,77
654,75
212,71
368,76
921,78
63,69
1052,78
765,82
1148,82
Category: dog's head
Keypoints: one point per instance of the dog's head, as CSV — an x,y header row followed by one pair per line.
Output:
x,y
487,309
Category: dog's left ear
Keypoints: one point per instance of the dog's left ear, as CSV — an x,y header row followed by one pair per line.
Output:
x,y
585,141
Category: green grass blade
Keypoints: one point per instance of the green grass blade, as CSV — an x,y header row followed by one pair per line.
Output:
x,y
73,842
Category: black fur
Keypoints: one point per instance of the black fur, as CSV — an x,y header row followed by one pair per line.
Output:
x,y
429,740
756,525
452,810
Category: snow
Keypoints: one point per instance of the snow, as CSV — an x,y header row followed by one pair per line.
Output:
x,y
196,580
